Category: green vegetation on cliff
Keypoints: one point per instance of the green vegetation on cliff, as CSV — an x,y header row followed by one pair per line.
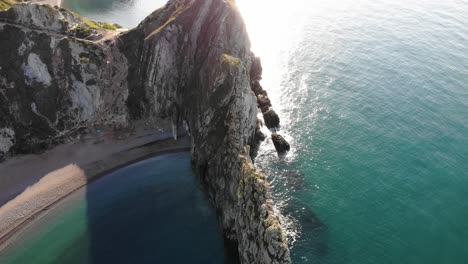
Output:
x,y
100,25
5,4
94,24
230,60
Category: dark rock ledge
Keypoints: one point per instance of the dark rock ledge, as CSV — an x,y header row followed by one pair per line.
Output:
x,y
270,117
186,66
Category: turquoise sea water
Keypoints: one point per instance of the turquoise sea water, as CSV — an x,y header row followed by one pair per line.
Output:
x,y
149,212
373,96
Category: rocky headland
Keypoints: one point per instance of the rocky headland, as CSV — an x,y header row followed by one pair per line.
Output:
x,y
186,68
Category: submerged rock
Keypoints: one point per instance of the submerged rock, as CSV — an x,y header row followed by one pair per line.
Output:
x,y
281,145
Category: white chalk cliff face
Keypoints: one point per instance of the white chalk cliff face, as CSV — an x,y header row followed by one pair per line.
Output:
x,y
188,64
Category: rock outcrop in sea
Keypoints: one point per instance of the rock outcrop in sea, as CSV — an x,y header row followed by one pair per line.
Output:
x,y
281,145
187,66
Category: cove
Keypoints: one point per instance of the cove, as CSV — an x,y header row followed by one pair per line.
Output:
x,y
127,13
149,212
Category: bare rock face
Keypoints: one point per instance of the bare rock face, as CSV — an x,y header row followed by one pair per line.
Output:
x,y
187,63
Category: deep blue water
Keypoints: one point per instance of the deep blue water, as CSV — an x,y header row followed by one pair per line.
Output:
x,y
149,212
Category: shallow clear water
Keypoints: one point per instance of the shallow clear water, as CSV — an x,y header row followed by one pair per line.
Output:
x,y
373,95
149,212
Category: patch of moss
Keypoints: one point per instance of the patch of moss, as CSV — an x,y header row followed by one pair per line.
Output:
x,y
109,26
96,25
84,59
5,4
90,23
100,25
250,171
230,60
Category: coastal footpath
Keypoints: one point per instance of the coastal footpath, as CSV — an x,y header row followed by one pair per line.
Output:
x,y
186,68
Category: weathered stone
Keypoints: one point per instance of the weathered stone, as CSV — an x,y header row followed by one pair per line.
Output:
x,y
257,87
272,119
259,135
256,70
7,140
281,145
258,138
266,245
263,102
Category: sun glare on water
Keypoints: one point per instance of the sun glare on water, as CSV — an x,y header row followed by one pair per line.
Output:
x,y
275,27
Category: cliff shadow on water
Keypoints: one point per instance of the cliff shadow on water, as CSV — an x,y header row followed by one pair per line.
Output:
x,y
153,212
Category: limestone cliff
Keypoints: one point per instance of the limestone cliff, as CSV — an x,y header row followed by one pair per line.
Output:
x,y
54,81
186,66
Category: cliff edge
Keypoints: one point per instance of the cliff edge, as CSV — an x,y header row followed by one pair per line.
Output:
x,y
187,67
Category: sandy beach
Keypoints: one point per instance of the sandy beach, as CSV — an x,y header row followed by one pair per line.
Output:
x,y
32,184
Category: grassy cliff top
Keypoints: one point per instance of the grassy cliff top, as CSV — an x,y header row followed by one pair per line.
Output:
x,y
4,4
88,24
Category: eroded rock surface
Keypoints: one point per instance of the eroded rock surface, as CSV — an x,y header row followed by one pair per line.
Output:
x,y
281,145
271,118
53,85
186,65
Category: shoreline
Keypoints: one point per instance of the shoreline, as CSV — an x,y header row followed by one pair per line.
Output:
x,y
49,2
58,185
